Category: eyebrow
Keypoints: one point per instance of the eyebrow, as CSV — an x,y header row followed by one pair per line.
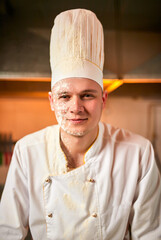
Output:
x,y
90,90
84,91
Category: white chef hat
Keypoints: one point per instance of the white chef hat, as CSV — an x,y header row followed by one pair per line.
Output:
x,y
77,46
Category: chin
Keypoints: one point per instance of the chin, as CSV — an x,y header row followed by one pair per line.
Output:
x,y
71,130
74,132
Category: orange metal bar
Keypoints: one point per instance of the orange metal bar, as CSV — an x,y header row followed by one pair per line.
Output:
x,y
26,79
105,81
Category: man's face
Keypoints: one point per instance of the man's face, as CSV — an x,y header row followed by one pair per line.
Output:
x,y
78,105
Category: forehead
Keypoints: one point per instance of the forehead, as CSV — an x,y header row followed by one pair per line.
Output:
x,y
76,85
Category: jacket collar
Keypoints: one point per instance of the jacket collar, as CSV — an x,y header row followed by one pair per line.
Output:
x,y
56,158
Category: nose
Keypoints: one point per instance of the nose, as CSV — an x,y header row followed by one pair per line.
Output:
x,y
76,105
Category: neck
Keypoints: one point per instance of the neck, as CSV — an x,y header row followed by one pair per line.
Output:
x,y
75,147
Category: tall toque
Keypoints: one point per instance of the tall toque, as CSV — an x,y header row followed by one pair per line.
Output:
x,y
77,46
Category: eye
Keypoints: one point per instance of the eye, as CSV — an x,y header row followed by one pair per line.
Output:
x,y
88,96
64,97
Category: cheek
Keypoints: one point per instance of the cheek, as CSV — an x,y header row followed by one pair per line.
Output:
x,y
60,108
94,107
60,113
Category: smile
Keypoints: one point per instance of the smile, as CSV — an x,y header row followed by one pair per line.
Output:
x,y
78,121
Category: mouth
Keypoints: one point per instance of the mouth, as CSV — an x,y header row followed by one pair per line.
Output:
x,y
77,120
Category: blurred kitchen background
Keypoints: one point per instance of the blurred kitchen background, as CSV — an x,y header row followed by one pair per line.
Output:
x,y
132,69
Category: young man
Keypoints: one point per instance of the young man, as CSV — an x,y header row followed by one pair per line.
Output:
x,y
81,179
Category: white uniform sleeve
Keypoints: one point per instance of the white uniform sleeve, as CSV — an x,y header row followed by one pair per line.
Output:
x,y
146,212
14,205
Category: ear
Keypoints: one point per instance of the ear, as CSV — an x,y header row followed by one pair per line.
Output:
x,y
104,98
51,101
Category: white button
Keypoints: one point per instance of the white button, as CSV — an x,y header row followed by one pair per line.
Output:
x,y
94,215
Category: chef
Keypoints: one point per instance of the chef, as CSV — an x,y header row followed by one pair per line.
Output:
x,y
81,179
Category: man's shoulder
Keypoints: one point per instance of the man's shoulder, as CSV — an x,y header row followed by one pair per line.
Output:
x,y
124,136
38,137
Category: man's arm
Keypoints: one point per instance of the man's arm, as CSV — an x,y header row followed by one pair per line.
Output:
x,y
14,205
146,212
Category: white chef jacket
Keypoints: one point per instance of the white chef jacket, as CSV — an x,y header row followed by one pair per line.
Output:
x,y
116,191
